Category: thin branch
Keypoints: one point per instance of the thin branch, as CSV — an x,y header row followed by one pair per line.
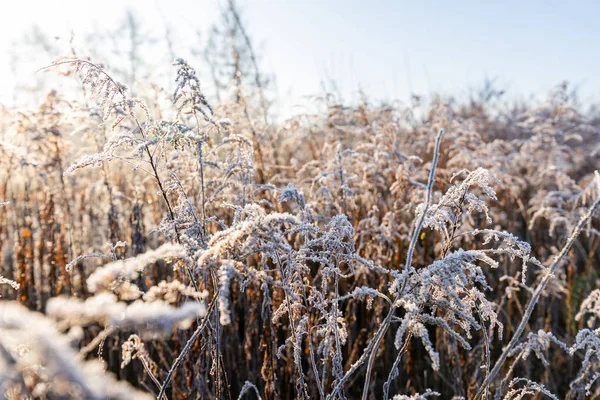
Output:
x,y
535,298
186,348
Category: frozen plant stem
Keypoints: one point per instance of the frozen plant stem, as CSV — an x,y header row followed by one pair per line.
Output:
x,y
342,181
217,336
407,265
121,92
419,225
186,348
295,339
202,184
372,347
394,371
535,298
137,122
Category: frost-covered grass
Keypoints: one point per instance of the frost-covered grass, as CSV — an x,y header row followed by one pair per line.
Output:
x,y
166,246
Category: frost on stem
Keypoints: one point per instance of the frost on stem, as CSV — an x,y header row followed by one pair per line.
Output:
x,y
589,373
447,294
590,306
529,388
247,235
9,282
445,213
110,94
538,343
424,396
225,274
291,193
108,153
509,245
188,96
248,386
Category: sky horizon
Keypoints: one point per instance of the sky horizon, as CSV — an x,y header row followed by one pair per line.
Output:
x,y
388,49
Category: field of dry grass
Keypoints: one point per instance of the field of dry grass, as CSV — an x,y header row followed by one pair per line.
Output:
x,y
172,246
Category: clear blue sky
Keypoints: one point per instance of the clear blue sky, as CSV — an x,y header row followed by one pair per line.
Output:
x,y
389,48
